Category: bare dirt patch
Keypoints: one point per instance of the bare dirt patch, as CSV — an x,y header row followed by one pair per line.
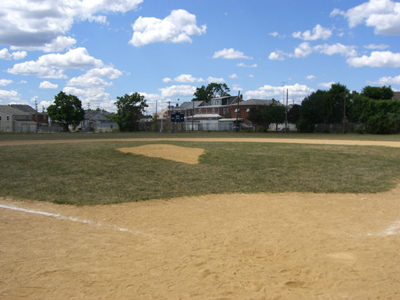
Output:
x,y
170,152
239,246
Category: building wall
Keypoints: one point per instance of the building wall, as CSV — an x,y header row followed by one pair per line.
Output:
x,y
6,122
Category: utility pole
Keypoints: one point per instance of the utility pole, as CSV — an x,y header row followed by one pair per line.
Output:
x,y
344,114
237,113
286,111
193,116
156,117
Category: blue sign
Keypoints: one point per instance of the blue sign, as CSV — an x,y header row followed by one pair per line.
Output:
x,y
177,117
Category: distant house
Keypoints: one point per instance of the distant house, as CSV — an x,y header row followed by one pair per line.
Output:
x,y
97,121
42,118
15,120
221,113
244,107
396,96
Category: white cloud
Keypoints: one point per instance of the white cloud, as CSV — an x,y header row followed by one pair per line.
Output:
x,y
347,51
187,78
274,34
215,79
150,97
19,55
46,104
304,50
230,54
376,47
48,85
326,85
53,65
178,91
247,66
383,15
8,96
337,12
234,76
5,54
59,44
278,55
297,92
167,79
92,78
389,80
318,32
5,82
310,77
95,96
385,59
175,28
27,23
236,87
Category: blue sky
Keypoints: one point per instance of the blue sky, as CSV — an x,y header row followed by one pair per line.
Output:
x,y
99,50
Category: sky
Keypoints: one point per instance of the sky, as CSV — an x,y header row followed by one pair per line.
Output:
x,y
99,50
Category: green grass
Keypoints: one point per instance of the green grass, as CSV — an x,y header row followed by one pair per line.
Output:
x,y
96,173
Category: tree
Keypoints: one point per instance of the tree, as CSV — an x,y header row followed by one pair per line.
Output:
x,y
311,111
256,116
378,93
130,108
67,109
201,94
335,100
212,90
274,113
293,114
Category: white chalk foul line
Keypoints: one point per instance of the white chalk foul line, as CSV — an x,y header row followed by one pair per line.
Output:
x,y
60,217
391,230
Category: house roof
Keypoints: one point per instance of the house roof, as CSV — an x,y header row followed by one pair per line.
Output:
x,y
256,102
24,108
7,109
94,115
190,104
227,100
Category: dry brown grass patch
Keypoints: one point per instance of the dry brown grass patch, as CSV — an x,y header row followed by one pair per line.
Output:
x,y
171,152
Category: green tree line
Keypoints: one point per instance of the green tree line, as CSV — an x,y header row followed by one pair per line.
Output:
x,y
374,110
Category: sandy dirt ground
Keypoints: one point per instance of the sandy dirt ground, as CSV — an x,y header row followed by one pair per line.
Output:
x,y
236,246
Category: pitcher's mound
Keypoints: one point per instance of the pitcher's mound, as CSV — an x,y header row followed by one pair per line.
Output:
x,y
171,152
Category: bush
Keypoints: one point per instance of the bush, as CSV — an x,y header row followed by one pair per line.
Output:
x,y
305,126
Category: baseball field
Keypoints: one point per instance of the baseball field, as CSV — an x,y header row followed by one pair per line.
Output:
x,y
210,217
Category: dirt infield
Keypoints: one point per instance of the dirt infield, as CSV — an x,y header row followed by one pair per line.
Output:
x,y
263,246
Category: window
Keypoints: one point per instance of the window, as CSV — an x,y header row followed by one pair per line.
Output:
x,y
8,118
0,118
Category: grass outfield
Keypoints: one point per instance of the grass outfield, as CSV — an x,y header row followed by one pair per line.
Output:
x,y
96,173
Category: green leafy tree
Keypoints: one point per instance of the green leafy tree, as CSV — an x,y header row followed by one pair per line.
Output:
x,y
334,103
130,108
312,111
379,117
294,114
378,93
274,113
201,94
67,109
256,116
212,90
